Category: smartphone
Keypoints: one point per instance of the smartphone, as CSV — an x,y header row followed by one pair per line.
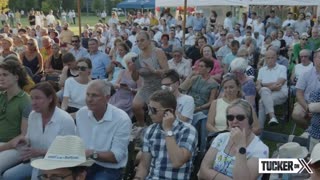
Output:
x,y
123,85
136,62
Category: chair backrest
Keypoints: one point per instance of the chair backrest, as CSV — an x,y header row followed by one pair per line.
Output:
x,y
284,138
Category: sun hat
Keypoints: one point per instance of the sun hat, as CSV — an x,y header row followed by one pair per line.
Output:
x,y
64,152
292,150
315,154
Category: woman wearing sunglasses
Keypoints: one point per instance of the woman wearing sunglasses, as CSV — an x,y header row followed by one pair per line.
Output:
x,y
75,87
235,154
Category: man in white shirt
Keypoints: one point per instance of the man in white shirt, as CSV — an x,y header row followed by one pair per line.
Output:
x,y
103,16
272,87
145,21
289,21
180,64
105,130
185,103
228,25
78,51
50,18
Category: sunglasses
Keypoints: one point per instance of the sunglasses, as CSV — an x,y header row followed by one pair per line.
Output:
x,y
304,56
239,117
82,68
75,41
305,39
153,110
222,34
30,44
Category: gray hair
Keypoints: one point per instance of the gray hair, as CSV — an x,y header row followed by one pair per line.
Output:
x,y
104,86
178,49
239,64
306,51
128,57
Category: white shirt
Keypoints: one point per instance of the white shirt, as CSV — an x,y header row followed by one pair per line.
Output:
x,y
299,69
76,93
185,106
60,124
80,53
287,22
267,75
111,133
228,24
183,67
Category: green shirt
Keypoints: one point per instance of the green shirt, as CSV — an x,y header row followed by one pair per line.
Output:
x,y
314,43
11,114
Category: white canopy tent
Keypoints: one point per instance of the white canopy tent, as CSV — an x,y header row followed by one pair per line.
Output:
x,y
175,3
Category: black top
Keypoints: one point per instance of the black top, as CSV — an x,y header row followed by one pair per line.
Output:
x,y
56,63
32,20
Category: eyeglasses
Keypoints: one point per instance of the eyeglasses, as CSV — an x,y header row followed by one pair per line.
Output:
x,y
82,68
30,44
304,56
153,110
53,177
239,117
98,31
140,41
222,34
304,39
74,41
177,55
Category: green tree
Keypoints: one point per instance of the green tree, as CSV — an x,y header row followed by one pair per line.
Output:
x,y
97,5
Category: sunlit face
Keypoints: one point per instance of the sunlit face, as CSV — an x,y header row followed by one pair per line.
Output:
x,y
230,88
39,101
270,58
95,98
62,173
6,44
236,123
122,51
7,80
316,60
207,52
201,43
203,69
93,46
159,111
142,41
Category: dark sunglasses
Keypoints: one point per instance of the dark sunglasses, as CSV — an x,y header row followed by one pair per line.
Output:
x,y
239,117
82,68
30,44
222,34
304,39
75,41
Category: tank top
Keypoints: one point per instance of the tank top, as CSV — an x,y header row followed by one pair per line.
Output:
x,y
33,65
57,63
220,119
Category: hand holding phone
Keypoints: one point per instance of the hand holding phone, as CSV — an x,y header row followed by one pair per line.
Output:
x,y
168,119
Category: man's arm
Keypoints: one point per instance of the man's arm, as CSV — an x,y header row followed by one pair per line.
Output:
x,y
301,100
143,167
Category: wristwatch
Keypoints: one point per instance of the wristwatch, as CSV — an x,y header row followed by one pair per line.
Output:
x,y
242,150
95,155
169,133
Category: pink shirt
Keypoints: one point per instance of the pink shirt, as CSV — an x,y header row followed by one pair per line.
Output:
x,y
216,67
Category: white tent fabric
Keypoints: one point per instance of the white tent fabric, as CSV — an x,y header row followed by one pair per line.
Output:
x,y
175,3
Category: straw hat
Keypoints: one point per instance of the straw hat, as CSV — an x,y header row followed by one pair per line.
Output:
x,y
292,150
315,154
65,151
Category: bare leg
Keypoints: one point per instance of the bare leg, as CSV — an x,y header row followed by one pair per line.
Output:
x,y
137,108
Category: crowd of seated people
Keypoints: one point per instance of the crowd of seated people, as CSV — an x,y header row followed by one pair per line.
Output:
x,y
134,81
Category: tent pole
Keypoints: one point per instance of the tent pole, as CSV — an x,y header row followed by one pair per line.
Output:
x,y
79,17
184,24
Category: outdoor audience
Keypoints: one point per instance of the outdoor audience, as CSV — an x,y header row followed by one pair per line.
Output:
x,y
140,71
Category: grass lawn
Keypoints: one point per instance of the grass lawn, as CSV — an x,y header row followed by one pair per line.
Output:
x,y
91,20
